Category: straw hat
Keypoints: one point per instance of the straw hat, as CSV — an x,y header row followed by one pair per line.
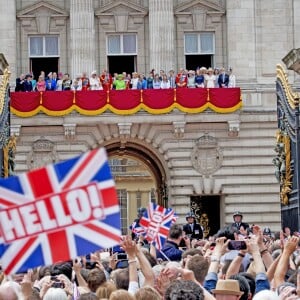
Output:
x,y
227,287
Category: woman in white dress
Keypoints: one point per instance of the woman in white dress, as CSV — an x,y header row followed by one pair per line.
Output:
x,y
210,79
232,80
94,82
165,83
134,80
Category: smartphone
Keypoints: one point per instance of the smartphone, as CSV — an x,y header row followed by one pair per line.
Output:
x,y
121,256
58,284
237,245
90,265
121,264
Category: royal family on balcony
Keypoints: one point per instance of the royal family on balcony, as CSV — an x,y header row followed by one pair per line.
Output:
x,y
199,78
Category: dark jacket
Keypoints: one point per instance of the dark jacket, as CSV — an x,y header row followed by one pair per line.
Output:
x,y
197,232
237,226
170,250
223,80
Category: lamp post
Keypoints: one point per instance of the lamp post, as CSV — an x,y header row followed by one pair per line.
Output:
x,y
292,61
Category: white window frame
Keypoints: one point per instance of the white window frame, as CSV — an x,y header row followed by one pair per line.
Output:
x,y
199,43
44,45
121,35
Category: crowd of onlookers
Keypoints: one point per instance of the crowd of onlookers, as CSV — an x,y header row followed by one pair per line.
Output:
x,y
199,78
239,262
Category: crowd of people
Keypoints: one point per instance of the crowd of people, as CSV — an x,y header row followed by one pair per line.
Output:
x,y
238,262
199,78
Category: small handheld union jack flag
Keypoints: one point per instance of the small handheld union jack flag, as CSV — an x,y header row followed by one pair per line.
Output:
x,y
137,229
157,221
58,212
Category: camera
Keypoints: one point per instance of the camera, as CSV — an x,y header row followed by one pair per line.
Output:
x,y
57,283
121,256
237,245
90,264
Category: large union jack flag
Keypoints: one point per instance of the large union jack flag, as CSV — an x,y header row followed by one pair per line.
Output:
x,y
157,221
71,241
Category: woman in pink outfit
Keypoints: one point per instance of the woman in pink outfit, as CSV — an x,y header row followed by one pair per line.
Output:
x,y
41,84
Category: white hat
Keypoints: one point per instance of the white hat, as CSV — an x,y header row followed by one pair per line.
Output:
x,y
94,72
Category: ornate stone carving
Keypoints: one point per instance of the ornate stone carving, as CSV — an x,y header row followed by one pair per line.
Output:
x,y
43,152
233,128
124,128
199,15
282,162
9,152
39,16
70,130
207,156
15,130
179,129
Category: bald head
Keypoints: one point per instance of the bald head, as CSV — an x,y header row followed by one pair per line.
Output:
x,y
10,291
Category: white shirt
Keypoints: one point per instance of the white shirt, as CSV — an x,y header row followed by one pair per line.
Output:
x,y
165,84
94,84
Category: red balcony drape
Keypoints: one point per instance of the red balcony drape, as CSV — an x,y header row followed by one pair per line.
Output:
x,y
126,102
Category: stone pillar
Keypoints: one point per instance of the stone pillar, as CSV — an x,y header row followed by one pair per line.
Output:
x,y
8,35
161,35
82,37
241,39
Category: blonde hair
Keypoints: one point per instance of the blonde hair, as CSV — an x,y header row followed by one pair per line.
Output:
x,y
147,293
121,294
105,290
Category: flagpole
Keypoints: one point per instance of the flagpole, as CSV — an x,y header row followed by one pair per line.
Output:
x,y
164,255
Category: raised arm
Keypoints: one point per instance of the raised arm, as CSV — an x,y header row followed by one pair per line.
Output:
x,y
261,280
235,265
212,274
129,247
272,268
283,263
145,267
265,254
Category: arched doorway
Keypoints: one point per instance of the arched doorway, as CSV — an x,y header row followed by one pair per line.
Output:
x,y
140,177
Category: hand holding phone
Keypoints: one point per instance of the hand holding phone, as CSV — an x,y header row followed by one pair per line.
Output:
x,y
237,245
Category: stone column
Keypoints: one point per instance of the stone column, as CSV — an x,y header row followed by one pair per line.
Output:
x,y
161,35
242,39
82,37
8,37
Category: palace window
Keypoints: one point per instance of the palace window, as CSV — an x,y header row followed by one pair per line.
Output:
x,y
122,196
199,43
121,44
44,46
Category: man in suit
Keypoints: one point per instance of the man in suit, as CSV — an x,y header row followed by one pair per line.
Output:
x,y
238,221
192,229
223,79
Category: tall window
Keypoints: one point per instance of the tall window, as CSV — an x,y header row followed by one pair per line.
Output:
x,y
199,43
199,49
122,196
121,44
44,46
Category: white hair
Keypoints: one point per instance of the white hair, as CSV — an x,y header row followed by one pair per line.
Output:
x,y
11,290
173,264
266,295
55,294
